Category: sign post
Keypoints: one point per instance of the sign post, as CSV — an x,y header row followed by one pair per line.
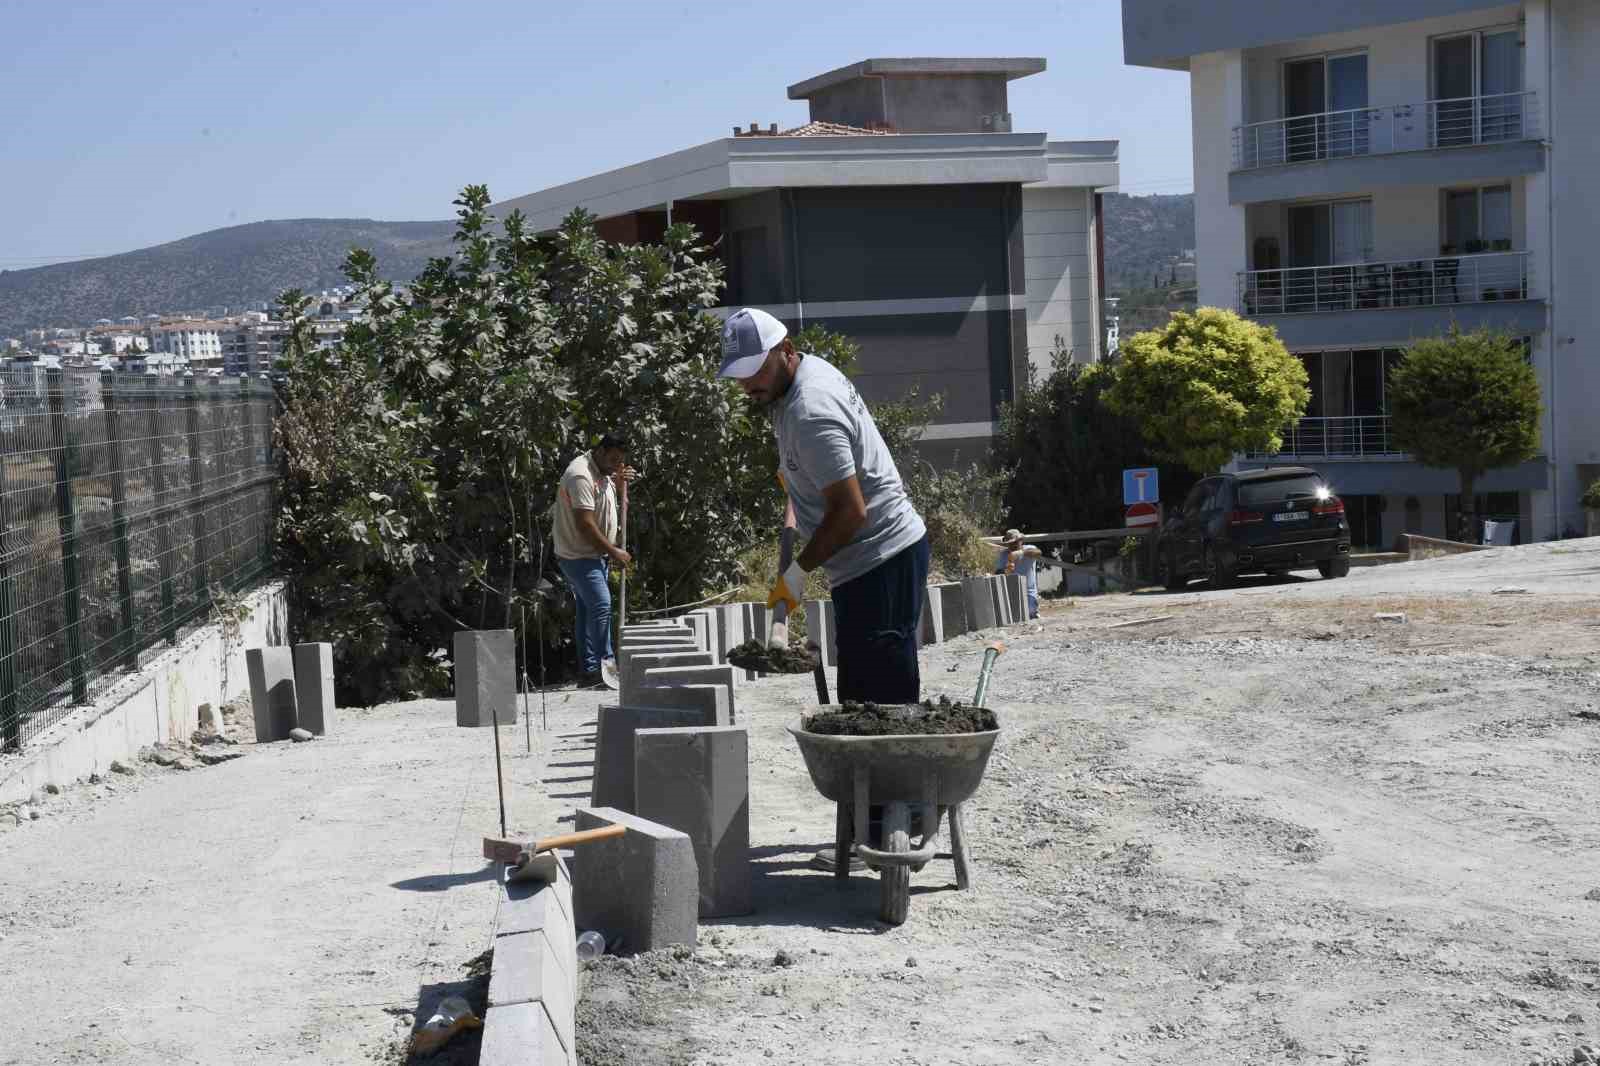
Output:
x,y
1141,495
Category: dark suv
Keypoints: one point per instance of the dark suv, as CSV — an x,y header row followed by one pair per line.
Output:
x,y
1262,521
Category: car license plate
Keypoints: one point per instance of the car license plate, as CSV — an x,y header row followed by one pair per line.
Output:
x,y
1291,516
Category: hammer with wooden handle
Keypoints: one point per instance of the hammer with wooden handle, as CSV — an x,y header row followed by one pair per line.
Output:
x,y
499,849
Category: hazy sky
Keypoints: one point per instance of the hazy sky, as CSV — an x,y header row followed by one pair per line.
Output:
x,y
132,122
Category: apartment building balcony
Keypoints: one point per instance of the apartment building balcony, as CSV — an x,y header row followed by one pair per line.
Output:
x,y
1358,457
1350,437
1434,142
1390,302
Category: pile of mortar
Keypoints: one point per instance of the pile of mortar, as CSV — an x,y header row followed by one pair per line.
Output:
x,y
754,655
873,720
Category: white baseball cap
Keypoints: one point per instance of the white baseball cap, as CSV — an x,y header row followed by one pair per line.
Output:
x,y
747,336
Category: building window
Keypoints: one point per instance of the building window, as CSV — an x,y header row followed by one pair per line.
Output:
x,y
1477,220
1349,383
1330,234
1324,104
1477,84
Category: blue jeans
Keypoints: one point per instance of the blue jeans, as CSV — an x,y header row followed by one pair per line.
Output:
x,y
878,616
588,580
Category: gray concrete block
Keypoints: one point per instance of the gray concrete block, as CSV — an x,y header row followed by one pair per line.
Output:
x,y
1002,600
521,1035
632,664
642,887
714,702
613,748
724,676
272,695
698,781
821,630
650,634
730,629
980,603
313,686
954,606
702,632
526,970
526,907
486,676
931,629
1017,588
733,629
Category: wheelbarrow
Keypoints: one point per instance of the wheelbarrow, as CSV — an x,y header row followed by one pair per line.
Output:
x,y
917,779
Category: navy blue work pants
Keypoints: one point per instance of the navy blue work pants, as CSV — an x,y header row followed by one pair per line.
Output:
x,y
877,616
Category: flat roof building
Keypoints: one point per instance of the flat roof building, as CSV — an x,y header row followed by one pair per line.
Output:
x,y
906,214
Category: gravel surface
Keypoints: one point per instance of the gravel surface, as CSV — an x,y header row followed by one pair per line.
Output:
x,y
1267,829
295,904
1263,825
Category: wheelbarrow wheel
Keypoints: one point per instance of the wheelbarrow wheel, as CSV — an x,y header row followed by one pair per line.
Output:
x,y
896,885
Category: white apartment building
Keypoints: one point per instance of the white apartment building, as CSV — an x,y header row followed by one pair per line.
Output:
x,y
195,342
1369,174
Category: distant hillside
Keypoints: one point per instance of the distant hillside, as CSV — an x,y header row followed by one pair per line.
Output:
x,y
1142,234
242,266
238,268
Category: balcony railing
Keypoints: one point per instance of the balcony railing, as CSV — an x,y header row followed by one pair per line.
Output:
x,y
1351,437
1381,130
1455,279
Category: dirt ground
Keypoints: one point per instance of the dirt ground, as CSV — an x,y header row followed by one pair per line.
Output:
x,y
1258,825
299,903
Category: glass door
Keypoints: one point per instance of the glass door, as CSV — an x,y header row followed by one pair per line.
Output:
x,y
1332,238
1348,127
1453,96
1477,88
1500,77
1305,93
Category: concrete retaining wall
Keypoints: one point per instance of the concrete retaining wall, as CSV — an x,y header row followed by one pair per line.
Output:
x,y
160,702
533,981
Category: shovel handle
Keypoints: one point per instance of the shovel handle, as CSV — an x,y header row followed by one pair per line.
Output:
x,y
990,654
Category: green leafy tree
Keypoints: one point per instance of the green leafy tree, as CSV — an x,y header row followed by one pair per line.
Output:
x,y
422,455
1467,402
1065,451
1591,496
1207,386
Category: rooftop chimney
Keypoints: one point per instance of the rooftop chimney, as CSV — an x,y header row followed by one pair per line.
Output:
x,y
924,95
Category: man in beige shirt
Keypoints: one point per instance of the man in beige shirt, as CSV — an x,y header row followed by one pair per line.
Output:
x,y
585,521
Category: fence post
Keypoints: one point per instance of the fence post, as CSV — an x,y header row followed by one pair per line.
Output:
x,y
10,718
249,472
196,480
158,477
67,525
119,517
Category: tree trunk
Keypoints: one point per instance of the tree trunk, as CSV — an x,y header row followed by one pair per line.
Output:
x,y
1469,504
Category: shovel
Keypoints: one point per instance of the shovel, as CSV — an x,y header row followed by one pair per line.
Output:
x,y
608,667
778,632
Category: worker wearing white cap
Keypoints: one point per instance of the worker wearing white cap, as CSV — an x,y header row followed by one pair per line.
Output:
x,y
849,504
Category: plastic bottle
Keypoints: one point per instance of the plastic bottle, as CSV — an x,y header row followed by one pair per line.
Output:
x,y
591,945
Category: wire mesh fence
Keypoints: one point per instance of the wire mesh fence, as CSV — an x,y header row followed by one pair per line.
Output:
x,y
126,501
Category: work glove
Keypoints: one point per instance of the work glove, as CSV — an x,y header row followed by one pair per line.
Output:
x,y
790,587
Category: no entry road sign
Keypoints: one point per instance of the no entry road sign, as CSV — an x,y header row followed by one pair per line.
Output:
x,y
1142,514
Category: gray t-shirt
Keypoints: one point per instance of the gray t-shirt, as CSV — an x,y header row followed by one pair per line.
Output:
x,y
825,434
